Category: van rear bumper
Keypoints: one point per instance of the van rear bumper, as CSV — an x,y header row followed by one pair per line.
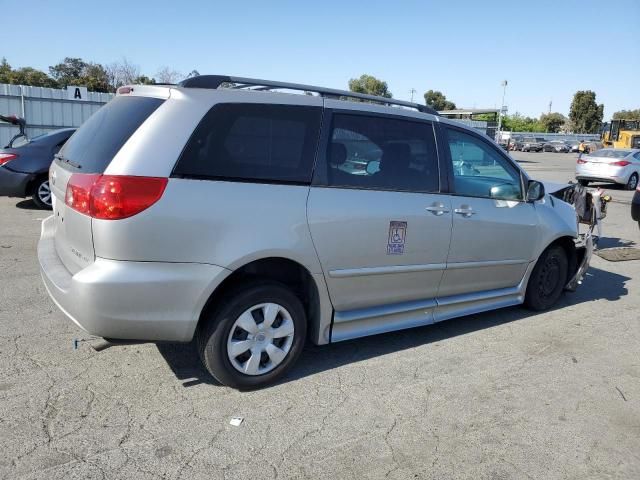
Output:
x,y
129,300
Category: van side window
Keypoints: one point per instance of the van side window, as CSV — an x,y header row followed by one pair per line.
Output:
x,y
370,152
479,170
254,142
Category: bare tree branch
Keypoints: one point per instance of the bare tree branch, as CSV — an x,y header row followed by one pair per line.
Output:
x,y
168,75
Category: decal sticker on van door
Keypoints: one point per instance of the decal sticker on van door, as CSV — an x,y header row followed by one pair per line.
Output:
x,y
397,236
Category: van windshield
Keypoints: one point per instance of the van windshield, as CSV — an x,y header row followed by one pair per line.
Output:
x,y
100,138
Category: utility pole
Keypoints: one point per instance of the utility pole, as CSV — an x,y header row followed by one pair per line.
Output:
x,y
504,92
550,103
412,91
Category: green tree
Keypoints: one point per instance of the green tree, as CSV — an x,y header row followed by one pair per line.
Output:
x,y
31,76
68,71
75,71
519,123
24,76
552,122
5,71
369,85
437,101
585,114
622,114
95,78
144,80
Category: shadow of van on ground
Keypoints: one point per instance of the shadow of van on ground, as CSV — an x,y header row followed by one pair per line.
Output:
x,y
598,284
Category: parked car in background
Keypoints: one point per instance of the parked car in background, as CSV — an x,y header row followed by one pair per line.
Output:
x,y
202,211
555,146
515,144
531,145
610,165
635,206
573,146
24,169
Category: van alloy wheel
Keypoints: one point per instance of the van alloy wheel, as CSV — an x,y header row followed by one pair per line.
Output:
x,y
260,339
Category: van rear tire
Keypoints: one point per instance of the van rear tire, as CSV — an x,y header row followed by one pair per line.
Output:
x,y
236,345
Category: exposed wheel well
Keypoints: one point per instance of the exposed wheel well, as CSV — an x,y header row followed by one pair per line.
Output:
x,y
282,270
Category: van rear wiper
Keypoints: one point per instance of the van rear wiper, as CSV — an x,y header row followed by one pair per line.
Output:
x,y
66,160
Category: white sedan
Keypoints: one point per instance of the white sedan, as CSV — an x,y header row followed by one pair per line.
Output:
x,y
611,165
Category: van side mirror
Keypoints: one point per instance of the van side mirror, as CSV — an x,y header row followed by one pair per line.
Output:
x,y
535,191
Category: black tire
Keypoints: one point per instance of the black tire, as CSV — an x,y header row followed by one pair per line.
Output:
x,y
548,279
584,183
213,335
40,187
632,183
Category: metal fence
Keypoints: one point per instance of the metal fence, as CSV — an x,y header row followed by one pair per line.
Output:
x,y
488,128
46,109
587,137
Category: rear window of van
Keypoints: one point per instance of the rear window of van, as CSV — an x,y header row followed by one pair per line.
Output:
x,y
99,139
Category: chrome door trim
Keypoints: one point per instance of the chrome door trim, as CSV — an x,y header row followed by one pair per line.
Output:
x,y
486,263
390,269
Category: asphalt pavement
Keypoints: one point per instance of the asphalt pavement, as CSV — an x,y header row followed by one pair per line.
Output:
x,y
509,394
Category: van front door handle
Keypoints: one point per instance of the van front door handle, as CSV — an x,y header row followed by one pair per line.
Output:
x,y
465,210
437,209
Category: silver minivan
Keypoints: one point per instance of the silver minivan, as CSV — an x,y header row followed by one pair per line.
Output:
x,y
254,218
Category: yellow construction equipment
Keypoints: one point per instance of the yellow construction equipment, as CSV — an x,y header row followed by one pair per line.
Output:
x,y
622,134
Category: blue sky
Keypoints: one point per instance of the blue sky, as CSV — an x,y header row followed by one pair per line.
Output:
x,y
546,49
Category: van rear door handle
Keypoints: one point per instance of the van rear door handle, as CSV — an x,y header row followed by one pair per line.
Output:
x,y
437,209
465,211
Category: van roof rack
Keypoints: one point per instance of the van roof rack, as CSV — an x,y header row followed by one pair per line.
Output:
x,y
215,81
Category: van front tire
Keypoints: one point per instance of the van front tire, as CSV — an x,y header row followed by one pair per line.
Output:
x,y
254,336
548,279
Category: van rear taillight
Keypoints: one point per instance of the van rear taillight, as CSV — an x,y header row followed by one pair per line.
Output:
x,y
112,197
78,194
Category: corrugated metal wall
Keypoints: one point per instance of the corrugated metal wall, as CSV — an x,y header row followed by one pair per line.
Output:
x,y
45,109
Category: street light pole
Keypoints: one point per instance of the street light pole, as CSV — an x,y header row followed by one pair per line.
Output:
x,y
504,91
